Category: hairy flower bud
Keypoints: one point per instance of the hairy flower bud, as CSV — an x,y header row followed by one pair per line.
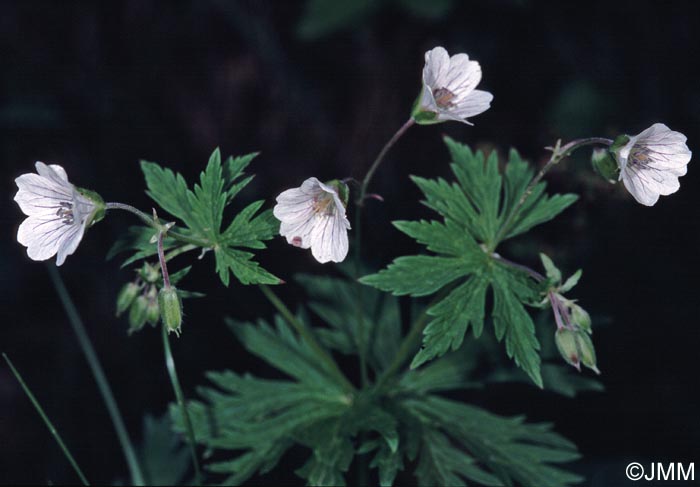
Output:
x,y
126,296
153,312
138,314
567,344
604,164
150,273
581,317
170,309
587,350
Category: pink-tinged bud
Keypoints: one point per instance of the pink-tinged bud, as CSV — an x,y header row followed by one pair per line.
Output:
x,y
567,344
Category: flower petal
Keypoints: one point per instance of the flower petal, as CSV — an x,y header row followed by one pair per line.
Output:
x,y
38,195
43,237
476,102
463,76
437,64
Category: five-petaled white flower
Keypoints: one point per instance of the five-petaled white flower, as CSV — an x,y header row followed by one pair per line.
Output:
x,y
651,163
313,215
448,89
57,213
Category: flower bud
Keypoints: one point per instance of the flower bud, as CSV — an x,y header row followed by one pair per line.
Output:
x,y
567,344
153,312
581,317
126,296
604,164
170,309
150,273
587,350
138,314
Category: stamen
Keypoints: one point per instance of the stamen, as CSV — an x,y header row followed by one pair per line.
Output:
x,y
65,212
324,204
443,97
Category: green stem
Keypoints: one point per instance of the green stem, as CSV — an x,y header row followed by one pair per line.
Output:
x,y
179,250
307,336
47,421
362,344
151,222
559,152
380,158
412,340
127,447
408,345
172,373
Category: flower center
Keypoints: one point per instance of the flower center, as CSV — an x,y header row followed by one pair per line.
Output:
x,y
639,156
324,204
443,97
65,212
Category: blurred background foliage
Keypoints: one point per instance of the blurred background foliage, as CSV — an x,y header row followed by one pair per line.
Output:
x,y
318,86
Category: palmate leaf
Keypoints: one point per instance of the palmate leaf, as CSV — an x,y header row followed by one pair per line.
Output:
x,y
463,443
163,457
248,423
201,210
374,327
478,212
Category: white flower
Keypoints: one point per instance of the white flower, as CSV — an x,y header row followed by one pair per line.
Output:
x,y
313,215
57,213
448,89
651,163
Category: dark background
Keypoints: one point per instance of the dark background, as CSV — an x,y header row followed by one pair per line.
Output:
x,y
96,86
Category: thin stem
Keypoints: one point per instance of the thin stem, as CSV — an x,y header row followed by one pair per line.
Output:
x,y
179,250
409,343
361,332
137,477
162,260
306,335
151,222
144,217
172,373
380,157
47,421
559,152
531,272
359,203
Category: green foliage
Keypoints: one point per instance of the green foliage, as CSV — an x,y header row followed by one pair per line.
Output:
x,y
201,210
164,458
481,210
375,328
255,421
325,17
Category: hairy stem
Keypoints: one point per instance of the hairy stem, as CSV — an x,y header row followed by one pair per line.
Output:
x,y
151,222
136,474
380,158
530,272
408,345
305,333
362,346
559,152
180,397
47,421
361,332
162,260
